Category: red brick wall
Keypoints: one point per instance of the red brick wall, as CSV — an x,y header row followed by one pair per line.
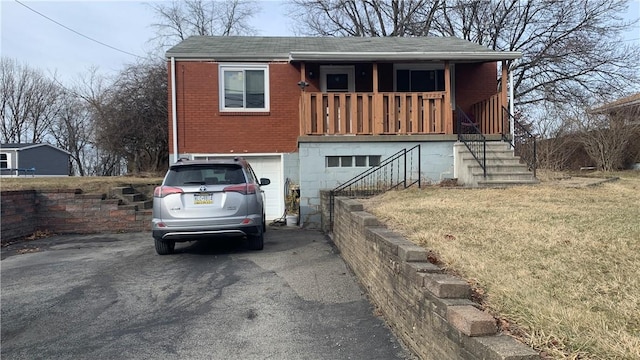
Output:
x,y
202,128
474,83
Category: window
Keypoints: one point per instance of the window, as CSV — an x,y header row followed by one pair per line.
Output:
x,y
351,161
4,161
419,80
244,88
337,78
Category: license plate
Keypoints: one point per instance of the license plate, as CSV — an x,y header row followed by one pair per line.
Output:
x,y
203,199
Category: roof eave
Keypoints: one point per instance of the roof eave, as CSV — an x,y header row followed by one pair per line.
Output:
x,y
230,57
403,56
295,56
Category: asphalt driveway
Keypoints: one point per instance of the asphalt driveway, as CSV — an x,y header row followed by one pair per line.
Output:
x,y
111,297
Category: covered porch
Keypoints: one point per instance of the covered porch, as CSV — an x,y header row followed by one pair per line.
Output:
x,y
377,112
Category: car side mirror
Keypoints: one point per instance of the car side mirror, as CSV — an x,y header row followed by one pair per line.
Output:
x,y
264,181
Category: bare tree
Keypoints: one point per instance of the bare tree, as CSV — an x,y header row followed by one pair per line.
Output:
x,y
178,20
605,136
73,131
131,121
363,18
29,103
570,47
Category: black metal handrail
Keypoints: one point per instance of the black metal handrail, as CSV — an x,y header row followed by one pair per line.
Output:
x,y
523,141
400,169
471,136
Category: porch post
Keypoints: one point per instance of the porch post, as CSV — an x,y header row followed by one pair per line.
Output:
x,y
503,93
448,119
375,78
301,107
378,127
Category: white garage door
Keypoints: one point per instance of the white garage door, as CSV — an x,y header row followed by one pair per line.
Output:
x,y
270,167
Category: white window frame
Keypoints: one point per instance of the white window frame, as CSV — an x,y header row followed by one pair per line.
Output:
x,y
243,67
8,161
353,161
338,69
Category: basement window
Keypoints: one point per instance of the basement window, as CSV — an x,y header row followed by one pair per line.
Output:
x,y
352,161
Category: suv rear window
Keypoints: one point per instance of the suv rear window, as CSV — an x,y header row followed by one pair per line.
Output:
x,y
207,174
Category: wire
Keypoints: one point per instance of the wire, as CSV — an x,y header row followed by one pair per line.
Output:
x,y
78,33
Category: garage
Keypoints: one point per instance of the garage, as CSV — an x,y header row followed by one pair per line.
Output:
x,y
270,167
265,166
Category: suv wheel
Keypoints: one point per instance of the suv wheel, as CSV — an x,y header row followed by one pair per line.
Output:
x,y
165,247
255,242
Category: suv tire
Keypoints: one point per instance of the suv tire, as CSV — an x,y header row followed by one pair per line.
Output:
x,y
255,242
165,247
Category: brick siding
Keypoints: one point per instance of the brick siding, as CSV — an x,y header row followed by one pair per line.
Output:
x,y
474,83
202,128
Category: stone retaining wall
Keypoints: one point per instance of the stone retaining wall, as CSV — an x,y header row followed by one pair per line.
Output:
x,y
429,310
67,212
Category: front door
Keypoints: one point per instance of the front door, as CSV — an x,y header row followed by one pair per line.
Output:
x,y
337,79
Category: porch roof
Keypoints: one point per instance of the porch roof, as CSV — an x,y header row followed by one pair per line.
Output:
x,y
335,49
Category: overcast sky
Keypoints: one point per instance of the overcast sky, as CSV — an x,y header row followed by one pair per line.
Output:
x,y
124,25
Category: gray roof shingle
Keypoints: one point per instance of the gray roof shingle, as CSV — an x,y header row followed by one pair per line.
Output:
x,y
254,48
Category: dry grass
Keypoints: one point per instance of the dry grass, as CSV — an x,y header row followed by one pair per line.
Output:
x,y
88,184
560,265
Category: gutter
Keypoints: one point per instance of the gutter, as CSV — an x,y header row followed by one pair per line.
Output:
x,y
403,56
174,110
355,56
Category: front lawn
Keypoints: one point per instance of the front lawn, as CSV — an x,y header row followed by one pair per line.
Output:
x,y
559,266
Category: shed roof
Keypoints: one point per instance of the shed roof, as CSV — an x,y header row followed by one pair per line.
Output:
x,y
26,146
256,48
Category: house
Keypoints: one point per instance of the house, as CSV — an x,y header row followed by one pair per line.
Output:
x,y
33,160
318,111
627,111
627,108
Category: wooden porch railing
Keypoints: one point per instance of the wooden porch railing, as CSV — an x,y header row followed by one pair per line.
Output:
x,y
372,114
488,115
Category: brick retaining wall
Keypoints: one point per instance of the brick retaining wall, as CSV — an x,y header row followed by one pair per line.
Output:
x,y
67,212
429,310
17,214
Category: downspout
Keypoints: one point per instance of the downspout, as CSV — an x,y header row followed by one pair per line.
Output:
x,y
174,110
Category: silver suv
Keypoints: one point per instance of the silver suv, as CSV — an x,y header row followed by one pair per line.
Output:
x,y
204,198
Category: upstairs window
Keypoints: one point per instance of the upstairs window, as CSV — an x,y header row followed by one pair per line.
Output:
x,y
244,88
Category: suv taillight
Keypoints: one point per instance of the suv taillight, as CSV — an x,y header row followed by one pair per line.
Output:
x,y
244,189
162,191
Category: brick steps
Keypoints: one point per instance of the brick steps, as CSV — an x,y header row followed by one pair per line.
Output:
x,y
130,196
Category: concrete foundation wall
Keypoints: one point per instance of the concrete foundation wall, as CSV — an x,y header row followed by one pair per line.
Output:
x,y
436,165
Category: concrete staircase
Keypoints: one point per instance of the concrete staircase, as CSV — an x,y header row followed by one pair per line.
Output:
x,y
130,196
503,167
